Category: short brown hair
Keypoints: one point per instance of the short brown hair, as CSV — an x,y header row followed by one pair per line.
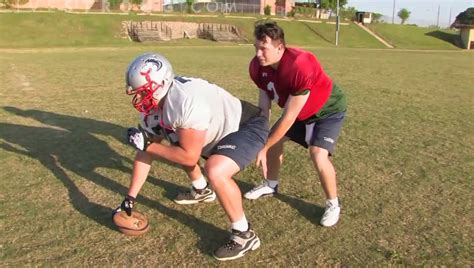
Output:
x,y
269,28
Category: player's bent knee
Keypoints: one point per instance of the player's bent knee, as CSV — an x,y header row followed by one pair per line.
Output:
x,y
214,171
219,168
143,157
319,154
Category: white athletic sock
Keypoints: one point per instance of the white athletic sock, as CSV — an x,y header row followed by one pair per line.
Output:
x,y
334,202
241,225
200,183
272,183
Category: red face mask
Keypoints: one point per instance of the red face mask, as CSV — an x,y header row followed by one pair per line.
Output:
x,y
143,99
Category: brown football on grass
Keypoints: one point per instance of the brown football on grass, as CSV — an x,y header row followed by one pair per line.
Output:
x,y
134,225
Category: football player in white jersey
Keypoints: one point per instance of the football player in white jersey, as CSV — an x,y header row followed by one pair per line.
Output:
x,y
199,119
199,191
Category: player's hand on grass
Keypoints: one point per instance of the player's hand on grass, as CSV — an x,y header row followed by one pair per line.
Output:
x,y
127,205
138,138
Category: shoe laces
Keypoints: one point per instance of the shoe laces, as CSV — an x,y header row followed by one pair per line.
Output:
x,y
262,185
329,208
200,191
329,205
237,239
231,244
188,192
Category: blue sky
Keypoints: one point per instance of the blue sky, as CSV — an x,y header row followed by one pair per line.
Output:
x,y
423,12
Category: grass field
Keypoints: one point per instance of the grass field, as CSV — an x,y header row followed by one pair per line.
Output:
x,y
404,161
412,37
59,29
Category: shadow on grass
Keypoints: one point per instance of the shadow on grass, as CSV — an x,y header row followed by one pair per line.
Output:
x,y
71,147
316,32
447,37
311,212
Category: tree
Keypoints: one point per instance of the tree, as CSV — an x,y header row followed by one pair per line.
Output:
x,y
331,4
10,3
189,6
348,13
403,14
376,17
466,17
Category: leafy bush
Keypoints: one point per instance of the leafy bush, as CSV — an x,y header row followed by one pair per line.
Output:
x,y
291,13
348,13
305,10
332,4
377,18
9,3
114,4
267,10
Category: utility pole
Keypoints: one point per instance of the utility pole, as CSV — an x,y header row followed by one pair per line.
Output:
x,y
437,20
393,12
337,23
449,21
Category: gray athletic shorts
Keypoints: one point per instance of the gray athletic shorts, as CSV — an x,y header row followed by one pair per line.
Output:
x,y
243,145
322,133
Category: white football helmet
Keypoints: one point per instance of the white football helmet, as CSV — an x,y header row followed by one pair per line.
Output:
x,y
148,78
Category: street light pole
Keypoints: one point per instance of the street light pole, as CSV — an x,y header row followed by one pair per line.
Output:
x,y
437,19
337,23
393,12
449,22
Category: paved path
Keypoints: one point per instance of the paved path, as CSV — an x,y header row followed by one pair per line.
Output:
x,y
374,35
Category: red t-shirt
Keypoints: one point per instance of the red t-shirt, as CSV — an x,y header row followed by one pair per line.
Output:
x,y
298,70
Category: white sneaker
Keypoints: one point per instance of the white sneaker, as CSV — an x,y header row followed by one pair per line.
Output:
x,y
261,190
331,215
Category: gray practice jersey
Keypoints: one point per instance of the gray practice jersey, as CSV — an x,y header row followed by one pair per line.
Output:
x,y
193,103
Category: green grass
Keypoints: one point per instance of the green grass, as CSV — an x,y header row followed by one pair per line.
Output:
x,y
59,29
406,36
404,162
323,35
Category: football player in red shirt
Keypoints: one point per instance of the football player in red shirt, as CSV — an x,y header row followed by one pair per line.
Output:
x,y
313,111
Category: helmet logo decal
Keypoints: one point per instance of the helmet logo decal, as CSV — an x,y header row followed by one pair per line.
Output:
x,y
151,65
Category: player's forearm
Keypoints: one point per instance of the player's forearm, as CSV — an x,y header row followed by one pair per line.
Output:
x,y
279,130
174,154
293,107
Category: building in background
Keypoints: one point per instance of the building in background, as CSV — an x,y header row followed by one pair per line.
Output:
x,y
466,32
363,17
